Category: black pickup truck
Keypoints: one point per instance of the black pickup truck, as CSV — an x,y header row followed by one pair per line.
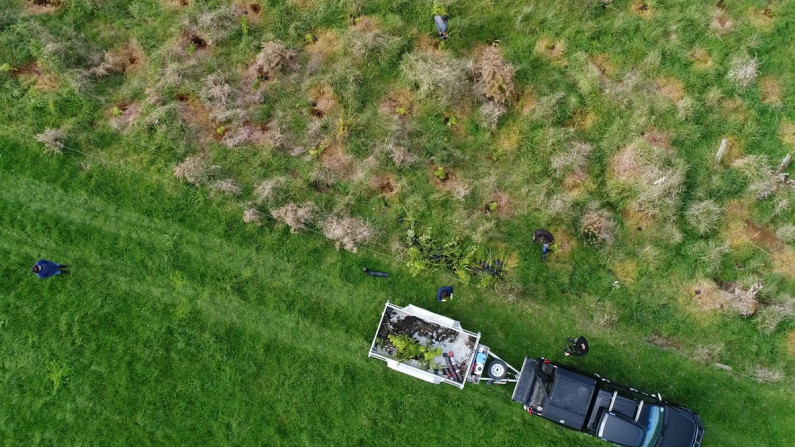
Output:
x,y
599,407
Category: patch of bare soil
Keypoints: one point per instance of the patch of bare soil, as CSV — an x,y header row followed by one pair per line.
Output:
x,y
721,22
554,50
37,76
397,103
642,9
43,6
336,158
499,204
197,116
706,295
641,223
700,58
386,185
322,100
658,139
124,114
771,90
250,9
671,88
324,45
450,182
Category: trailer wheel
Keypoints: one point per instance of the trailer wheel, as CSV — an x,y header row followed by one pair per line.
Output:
x,y
497,370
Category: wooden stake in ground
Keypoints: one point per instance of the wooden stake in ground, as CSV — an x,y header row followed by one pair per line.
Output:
x,y
784,163
723,145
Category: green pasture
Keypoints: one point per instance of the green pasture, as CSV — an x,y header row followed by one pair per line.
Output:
x,y
181,324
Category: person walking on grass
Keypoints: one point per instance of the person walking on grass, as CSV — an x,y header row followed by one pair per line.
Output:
x,y
444,293
45,268
577,348
546,239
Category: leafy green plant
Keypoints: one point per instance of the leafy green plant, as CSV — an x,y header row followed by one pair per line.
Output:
x,y
406,348
492,206
116,112
220,130
440,173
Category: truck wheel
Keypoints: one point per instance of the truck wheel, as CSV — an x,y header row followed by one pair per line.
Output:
x,y
497,370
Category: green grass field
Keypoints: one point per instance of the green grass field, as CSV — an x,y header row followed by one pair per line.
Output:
x,y
181,324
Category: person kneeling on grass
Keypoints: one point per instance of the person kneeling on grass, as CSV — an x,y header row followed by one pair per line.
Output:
x,y
44,268
577,348
441,25
444,293
546,239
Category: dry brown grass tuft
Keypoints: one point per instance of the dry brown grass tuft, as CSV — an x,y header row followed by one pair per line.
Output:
x,y
348,232
227,186
766,375
707,354
743,71
786,131
401,156
193,169
297,217
494,77
252,215
791,342
128,58
598,227
703,216
772,315
786,233
250,9
268,189
700,58
266,134
34,74
649,179
572,160
761,18
440,78
53,140
721,22
771,90
671,88
274,59
552,50
365,38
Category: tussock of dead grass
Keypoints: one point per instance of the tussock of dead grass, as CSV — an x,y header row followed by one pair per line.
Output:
x,y
227,186
494,77
194,169
274,59
573,159
128,58
762,374
703,216
786,233
348,232
252,216
266,134
700,58
401,156
671,89
598,227
268,190
527,102
786,131
554,50
771,90
52,140
365,38
658,139
440,78
721,22
743,71
297,217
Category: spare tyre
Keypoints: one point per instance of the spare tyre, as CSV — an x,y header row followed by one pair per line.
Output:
x,y
497,370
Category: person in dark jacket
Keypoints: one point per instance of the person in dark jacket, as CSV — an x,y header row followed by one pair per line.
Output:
x,y
546,239
441,25
444,293
577,348
44,268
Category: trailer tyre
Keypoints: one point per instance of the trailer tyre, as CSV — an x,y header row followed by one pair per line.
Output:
x,y
497,370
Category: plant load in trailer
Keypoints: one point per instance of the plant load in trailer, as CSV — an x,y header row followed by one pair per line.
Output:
x,y
437,349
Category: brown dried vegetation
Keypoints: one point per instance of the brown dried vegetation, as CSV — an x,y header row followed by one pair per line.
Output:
x,y
43,6
771,90
35,75
128,58
700,58
297,217
494,77
721,22
642,9
552,50
348,232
